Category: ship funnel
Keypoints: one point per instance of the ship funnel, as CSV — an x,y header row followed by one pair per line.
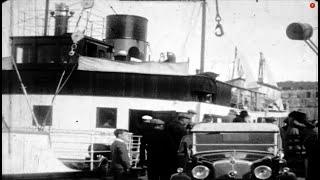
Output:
x,y
61,15
128,35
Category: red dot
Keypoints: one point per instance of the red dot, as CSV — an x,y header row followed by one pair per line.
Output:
x,y
312,5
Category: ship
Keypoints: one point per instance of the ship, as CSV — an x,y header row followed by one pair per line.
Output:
x,y
61,97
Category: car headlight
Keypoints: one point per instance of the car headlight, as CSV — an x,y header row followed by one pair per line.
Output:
x,y
262,172
200,172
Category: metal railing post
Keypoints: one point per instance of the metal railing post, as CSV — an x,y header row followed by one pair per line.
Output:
x,y
91,154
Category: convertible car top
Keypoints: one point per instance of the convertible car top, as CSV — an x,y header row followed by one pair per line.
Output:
x,y
235,127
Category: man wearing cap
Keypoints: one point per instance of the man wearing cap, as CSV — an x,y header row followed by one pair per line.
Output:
x,y
307,134
176,129
192,114
120,162
146,128
301,139
160,151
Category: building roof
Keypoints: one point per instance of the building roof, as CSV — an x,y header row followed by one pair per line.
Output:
x,y
242,88
235,127
236,79
269,85
298,85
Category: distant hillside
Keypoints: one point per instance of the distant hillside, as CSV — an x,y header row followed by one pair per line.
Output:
x,y
297,85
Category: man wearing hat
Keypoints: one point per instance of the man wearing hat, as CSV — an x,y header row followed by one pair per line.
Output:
x,y
120,163
160,151
301,139
309,136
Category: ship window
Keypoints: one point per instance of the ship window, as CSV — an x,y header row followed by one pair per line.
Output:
x,y
23,54
19,54
43,115
91,50
47,54
106,117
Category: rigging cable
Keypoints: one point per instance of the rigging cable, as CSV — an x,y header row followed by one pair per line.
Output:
x,y
191,26
25,93
78,35
111,7
59,88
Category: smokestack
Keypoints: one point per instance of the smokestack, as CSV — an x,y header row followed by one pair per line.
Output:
x,y
61,15
128,35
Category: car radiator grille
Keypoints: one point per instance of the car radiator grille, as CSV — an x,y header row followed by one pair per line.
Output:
x,y
222,169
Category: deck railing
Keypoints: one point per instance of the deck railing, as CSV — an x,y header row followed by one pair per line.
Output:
x,y
72,146
77,151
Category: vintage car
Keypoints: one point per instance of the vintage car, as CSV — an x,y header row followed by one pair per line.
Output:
x,y
232,151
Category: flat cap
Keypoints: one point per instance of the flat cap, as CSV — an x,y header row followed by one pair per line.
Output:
x,y
157,121
190,111
185,115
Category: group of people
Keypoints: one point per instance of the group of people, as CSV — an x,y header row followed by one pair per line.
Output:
x,y
160,140
232,116
300,142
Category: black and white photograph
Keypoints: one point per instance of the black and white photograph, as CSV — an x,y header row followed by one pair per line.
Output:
x,y
160,90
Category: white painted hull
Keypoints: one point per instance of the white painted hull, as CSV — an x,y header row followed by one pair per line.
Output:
x,y
24,153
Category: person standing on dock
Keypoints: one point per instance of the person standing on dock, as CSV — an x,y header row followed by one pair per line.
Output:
x,y
120,163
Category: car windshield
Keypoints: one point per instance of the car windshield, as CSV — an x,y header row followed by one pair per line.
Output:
x,y
234,141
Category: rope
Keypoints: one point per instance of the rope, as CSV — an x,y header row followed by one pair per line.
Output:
x,y
111,7
64,83
9,135
25,93
217,11
191,27
58,89
80,15
113,10
6,124
88,17
47,115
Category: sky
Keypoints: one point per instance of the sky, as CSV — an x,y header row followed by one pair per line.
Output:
x,y
176,26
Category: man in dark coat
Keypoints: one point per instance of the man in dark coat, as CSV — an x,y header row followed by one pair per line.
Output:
x,y
177,128
309,139
241,118
160,151
301,139
120,162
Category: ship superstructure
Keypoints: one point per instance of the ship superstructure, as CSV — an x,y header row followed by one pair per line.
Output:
x,y
72,101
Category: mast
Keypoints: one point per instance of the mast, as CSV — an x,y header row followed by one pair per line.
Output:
x,y
11,27
46,18
261,68
234,62
203,36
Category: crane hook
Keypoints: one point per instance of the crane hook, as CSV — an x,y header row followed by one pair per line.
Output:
x,y
219,30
